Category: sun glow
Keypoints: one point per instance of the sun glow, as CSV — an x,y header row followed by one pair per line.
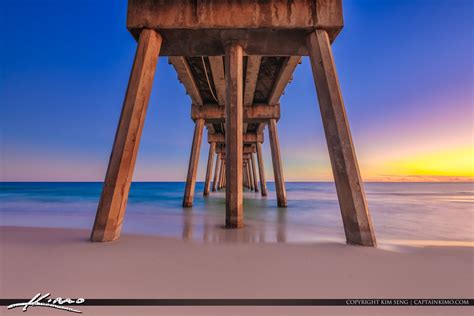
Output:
x,y
445,164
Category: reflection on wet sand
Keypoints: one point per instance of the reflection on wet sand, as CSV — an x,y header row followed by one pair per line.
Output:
x,y
281,232
187,224
214,232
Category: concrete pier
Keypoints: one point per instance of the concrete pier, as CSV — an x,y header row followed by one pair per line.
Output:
x,y
235,59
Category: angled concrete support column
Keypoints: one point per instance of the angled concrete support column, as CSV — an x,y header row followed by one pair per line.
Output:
x,y
277,164
249,164
350,190
221,182
219,178
247,176
233,135
113,200
193,164
216,172
249,180
261,170
210,160
254,173
249,172
221,174
225,180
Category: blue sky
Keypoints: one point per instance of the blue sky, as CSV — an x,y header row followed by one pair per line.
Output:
x,y
405,67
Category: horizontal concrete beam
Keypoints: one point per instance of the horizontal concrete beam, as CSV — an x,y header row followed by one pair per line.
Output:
x,y
252,114
248,149
202,28
248,138
187,14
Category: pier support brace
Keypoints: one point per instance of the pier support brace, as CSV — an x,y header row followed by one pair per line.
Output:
x,y
261,170
210,160
193,164
277,164
350,191
233,135
113,200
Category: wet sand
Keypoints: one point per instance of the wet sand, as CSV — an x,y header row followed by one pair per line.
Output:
x,y
65,263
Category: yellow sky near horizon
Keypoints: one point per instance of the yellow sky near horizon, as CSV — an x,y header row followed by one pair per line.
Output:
x,y
450,164
437,162
413,148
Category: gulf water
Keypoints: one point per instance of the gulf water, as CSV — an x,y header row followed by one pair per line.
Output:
x,y
412,212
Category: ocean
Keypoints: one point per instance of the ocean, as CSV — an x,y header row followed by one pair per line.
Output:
x,y
425,213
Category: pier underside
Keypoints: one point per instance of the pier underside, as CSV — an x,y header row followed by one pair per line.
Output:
x,y
235,60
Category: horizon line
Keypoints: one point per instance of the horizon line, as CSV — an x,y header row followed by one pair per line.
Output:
x,y
173,181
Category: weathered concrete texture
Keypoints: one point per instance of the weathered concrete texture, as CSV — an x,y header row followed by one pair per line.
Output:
x,y
350,190
234,139
113,200
200,28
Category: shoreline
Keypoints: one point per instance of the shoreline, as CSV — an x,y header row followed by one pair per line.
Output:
x,y
237,237
65,263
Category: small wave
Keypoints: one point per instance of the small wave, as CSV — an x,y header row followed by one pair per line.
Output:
x,y
427,243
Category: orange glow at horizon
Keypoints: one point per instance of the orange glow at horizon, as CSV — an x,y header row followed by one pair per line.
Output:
x,y
449,164
437,165
457,163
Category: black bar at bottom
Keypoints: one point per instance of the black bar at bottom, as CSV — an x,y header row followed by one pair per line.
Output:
x,y
263,302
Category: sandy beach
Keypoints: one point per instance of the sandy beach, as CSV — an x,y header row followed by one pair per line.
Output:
x,y
65,263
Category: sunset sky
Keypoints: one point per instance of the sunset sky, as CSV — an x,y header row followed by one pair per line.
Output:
x,y
405,68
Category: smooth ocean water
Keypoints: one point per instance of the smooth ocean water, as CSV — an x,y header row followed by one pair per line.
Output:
x,y
427,212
